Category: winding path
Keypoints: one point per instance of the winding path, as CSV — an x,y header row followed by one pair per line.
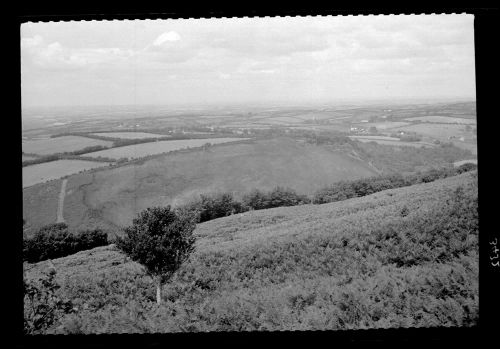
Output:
x,y
62,194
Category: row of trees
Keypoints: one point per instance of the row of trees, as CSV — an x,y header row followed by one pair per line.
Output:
x,y
350,189
56,240
217,205
212,206
76,154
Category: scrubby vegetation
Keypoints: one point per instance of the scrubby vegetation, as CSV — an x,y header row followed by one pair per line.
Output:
x,y
56,240
278,197
217,205
350,189
405,259
212,206
42,306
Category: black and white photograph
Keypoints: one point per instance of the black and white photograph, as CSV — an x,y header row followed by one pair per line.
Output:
x,y
262,174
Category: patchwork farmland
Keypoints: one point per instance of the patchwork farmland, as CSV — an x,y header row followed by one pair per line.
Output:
x,y
48,171
128,135
443,120
147,149
303,151
61,144
438,131
391,141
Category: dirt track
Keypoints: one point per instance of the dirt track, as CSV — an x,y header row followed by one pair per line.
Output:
x,y
60,207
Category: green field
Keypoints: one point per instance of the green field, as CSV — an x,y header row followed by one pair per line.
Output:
x,y
48,171
129,135
438,131
395,143
61,144
359,263
443,119
152,148
385,125
40,204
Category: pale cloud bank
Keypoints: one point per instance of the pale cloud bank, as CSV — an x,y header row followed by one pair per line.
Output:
x,y
248,59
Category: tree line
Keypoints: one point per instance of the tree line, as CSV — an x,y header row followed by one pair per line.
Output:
x,y
56,240
217,205
69,155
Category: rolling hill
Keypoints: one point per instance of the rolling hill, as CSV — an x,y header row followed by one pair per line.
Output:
x,y
111,197
397,258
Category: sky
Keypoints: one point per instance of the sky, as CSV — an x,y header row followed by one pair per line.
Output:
x,y
246,60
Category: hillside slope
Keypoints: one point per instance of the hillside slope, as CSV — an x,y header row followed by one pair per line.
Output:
x,y
113,197
401,257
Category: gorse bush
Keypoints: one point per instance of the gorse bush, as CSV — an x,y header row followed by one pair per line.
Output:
x,y
56,240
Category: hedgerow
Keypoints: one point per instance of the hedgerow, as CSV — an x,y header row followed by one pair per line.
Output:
x,y
56,240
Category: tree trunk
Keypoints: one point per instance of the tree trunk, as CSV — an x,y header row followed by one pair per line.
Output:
x,y
158,291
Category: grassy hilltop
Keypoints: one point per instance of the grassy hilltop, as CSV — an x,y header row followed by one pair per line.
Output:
x,y
400,257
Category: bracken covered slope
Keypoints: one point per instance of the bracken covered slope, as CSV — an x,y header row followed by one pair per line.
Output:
x,y
401,257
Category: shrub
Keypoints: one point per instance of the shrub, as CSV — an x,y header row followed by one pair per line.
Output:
x,y
212,206
466,167
161,240
278,197
255,200
281,196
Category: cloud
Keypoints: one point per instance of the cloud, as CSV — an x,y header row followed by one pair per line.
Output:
x,y
55,56
240,57
168,48
167,37
30,43
265,40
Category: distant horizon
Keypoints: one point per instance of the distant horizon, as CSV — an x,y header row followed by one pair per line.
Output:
x,y
332,103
